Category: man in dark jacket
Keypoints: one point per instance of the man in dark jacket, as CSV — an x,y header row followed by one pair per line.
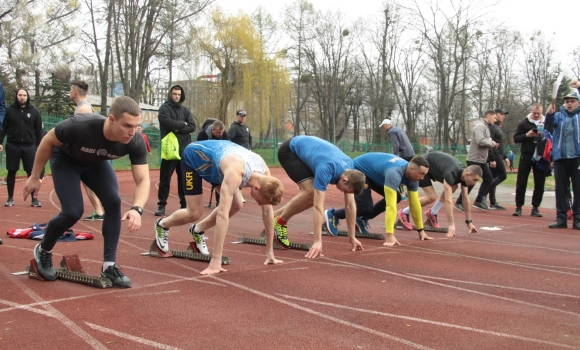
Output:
x,y
23,126
214,131
240,132
173,117
525,135
498,155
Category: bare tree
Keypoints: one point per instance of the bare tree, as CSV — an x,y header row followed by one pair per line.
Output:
x,y
540,69
138,34
299,19
330,64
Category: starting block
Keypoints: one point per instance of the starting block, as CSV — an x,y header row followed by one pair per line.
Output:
x,y
427,228
358,234
192,253
70,270
262,241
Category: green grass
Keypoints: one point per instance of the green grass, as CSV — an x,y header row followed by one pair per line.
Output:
x,y
511,181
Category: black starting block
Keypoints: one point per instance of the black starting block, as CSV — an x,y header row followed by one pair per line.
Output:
x,y
70,270
427,228
262,241
358,234
192,253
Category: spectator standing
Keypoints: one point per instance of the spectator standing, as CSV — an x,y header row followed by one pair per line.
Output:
x,y
399,140
481,144
566,157
176,118
525,134
145,138
498,155
2,104
512,159
239,131
22,125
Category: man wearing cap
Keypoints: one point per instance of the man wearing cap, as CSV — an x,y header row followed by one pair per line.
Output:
x,y
240,132
566,156
401,145
498,171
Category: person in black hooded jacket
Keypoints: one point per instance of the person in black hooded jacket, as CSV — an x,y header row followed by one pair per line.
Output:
x,y
23,126
176,118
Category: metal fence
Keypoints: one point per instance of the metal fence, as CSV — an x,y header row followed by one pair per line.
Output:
x,y
268,148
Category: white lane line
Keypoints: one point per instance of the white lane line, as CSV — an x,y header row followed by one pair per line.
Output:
x,y
319,314
292,269
496,261
131,337
513,244
461,289
435,323
149,294
94,343
497,286
16,306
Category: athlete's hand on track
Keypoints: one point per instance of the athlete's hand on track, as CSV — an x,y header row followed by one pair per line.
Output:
x,y
356,245
270,259
315,250
32,186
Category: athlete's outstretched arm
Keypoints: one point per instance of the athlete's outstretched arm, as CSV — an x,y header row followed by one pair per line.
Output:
x,y
390,216
350,209
43,153
268,219
318,219
415,206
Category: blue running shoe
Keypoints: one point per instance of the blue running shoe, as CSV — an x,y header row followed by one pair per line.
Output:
x,y
331,222
362,225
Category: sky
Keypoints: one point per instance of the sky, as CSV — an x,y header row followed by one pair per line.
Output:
x,y
524,16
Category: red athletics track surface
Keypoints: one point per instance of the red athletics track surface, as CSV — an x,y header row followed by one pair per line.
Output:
x,y
518,288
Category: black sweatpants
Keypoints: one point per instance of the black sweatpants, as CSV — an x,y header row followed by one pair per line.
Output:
x,y
567,170
499,174
365,207
165,173
67,175
526,165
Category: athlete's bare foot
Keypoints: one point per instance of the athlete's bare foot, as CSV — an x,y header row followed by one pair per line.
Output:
x,y
391,241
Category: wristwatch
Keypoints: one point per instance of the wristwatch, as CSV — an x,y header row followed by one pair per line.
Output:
x,y
468,222
137,209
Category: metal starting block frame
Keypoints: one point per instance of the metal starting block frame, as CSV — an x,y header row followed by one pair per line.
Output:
x,y
70,270
427,228
262,241
357,234
192,253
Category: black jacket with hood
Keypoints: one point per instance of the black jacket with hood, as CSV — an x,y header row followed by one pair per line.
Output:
x,y
22,125
528,146
173,116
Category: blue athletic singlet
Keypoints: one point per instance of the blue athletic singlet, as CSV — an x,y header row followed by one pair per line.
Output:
x,y
386,169
324,159
205,157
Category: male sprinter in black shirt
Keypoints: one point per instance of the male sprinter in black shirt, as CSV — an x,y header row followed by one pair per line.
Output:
x,y
450,172
79,149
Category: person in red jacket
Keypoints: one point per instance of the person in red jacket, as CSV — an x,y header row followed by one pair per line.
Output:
x,y
145,138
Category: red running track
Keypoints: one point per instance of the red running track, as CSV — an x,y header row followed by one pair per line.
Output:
x,y
517,288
